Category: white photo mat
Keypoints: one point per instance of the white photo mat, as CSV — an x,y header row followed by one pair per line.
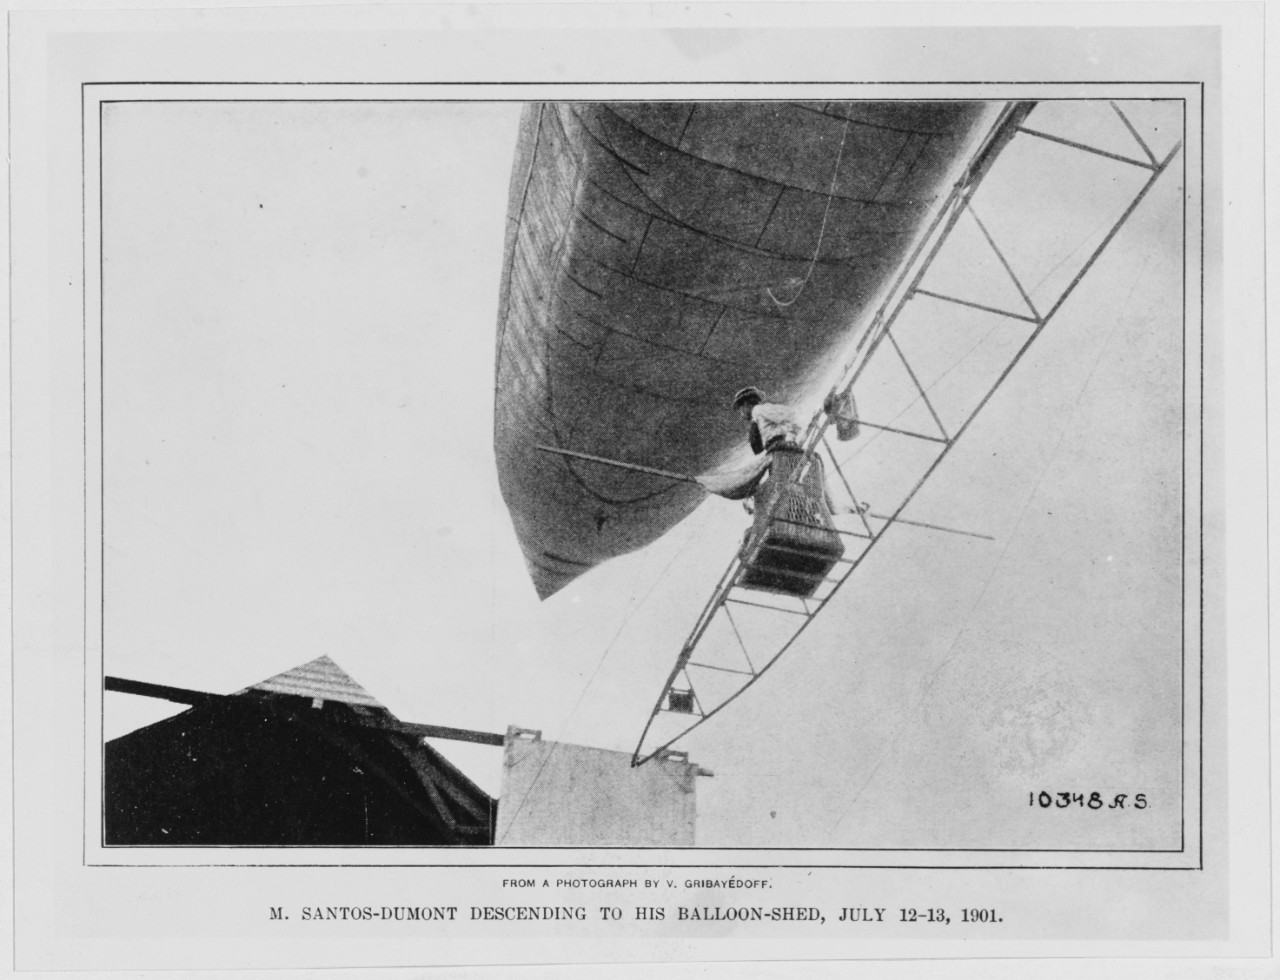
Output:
x,y
79,78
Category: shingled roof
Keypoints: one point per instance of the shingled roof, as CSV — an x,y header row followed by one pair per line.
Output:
x,y
263,767
320,678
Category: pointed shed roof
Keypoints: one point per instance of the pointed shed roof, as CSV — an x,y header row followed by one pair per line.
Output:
x,y
319,678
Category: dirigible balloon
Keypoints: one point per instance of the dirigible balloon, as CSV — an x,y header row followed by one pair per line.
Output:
x,y
662,256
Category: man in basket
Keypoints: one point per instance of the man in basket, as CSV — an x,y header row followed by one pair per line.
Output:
x,y
796,543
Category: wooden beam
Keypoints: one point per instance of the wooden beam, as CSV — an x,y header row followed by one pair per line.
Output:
x,y
183,695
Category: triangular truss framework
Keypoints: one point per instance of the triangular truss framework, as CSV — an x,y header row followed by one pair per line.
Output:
x,y
722,644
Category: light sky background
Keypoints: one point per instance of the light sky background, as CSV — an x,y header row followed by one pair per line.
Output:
x,y
299,316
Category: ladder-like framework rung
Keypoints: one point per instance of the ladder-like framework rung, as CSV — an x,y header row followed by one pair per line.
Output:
x,y
727,670
760,605
921,291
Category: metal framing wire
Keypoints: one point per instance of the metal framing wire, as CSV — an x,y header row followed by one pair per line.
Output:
x,y
1007,127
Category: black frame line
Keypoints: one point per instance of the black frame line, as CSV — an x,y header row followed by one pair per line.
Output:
x,y
1064,83
87,89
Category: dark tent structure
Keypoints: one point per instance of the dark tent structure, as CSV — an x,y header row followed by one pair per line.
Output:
x,y
305,758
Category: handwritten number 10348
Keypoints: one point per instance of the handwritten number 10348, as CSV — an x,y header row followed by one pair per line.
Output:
x,y
1093,801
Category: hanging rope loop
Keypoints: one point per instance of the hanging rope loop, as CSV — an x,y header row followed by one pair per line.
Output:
x,y
821,232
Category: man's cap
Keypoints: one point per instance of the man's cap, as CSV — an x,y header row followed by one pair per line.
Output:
x,y
748,394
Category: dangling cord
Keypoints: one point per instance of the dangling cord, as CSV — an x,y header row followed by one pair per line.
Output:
x,y
825,214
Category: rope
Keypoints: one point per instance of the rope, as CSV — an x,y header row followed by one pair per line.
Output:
x,y
821,232
635,607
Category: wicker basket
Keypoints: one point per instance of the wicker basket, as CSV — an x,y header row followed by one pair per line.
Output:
x,y
799,545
